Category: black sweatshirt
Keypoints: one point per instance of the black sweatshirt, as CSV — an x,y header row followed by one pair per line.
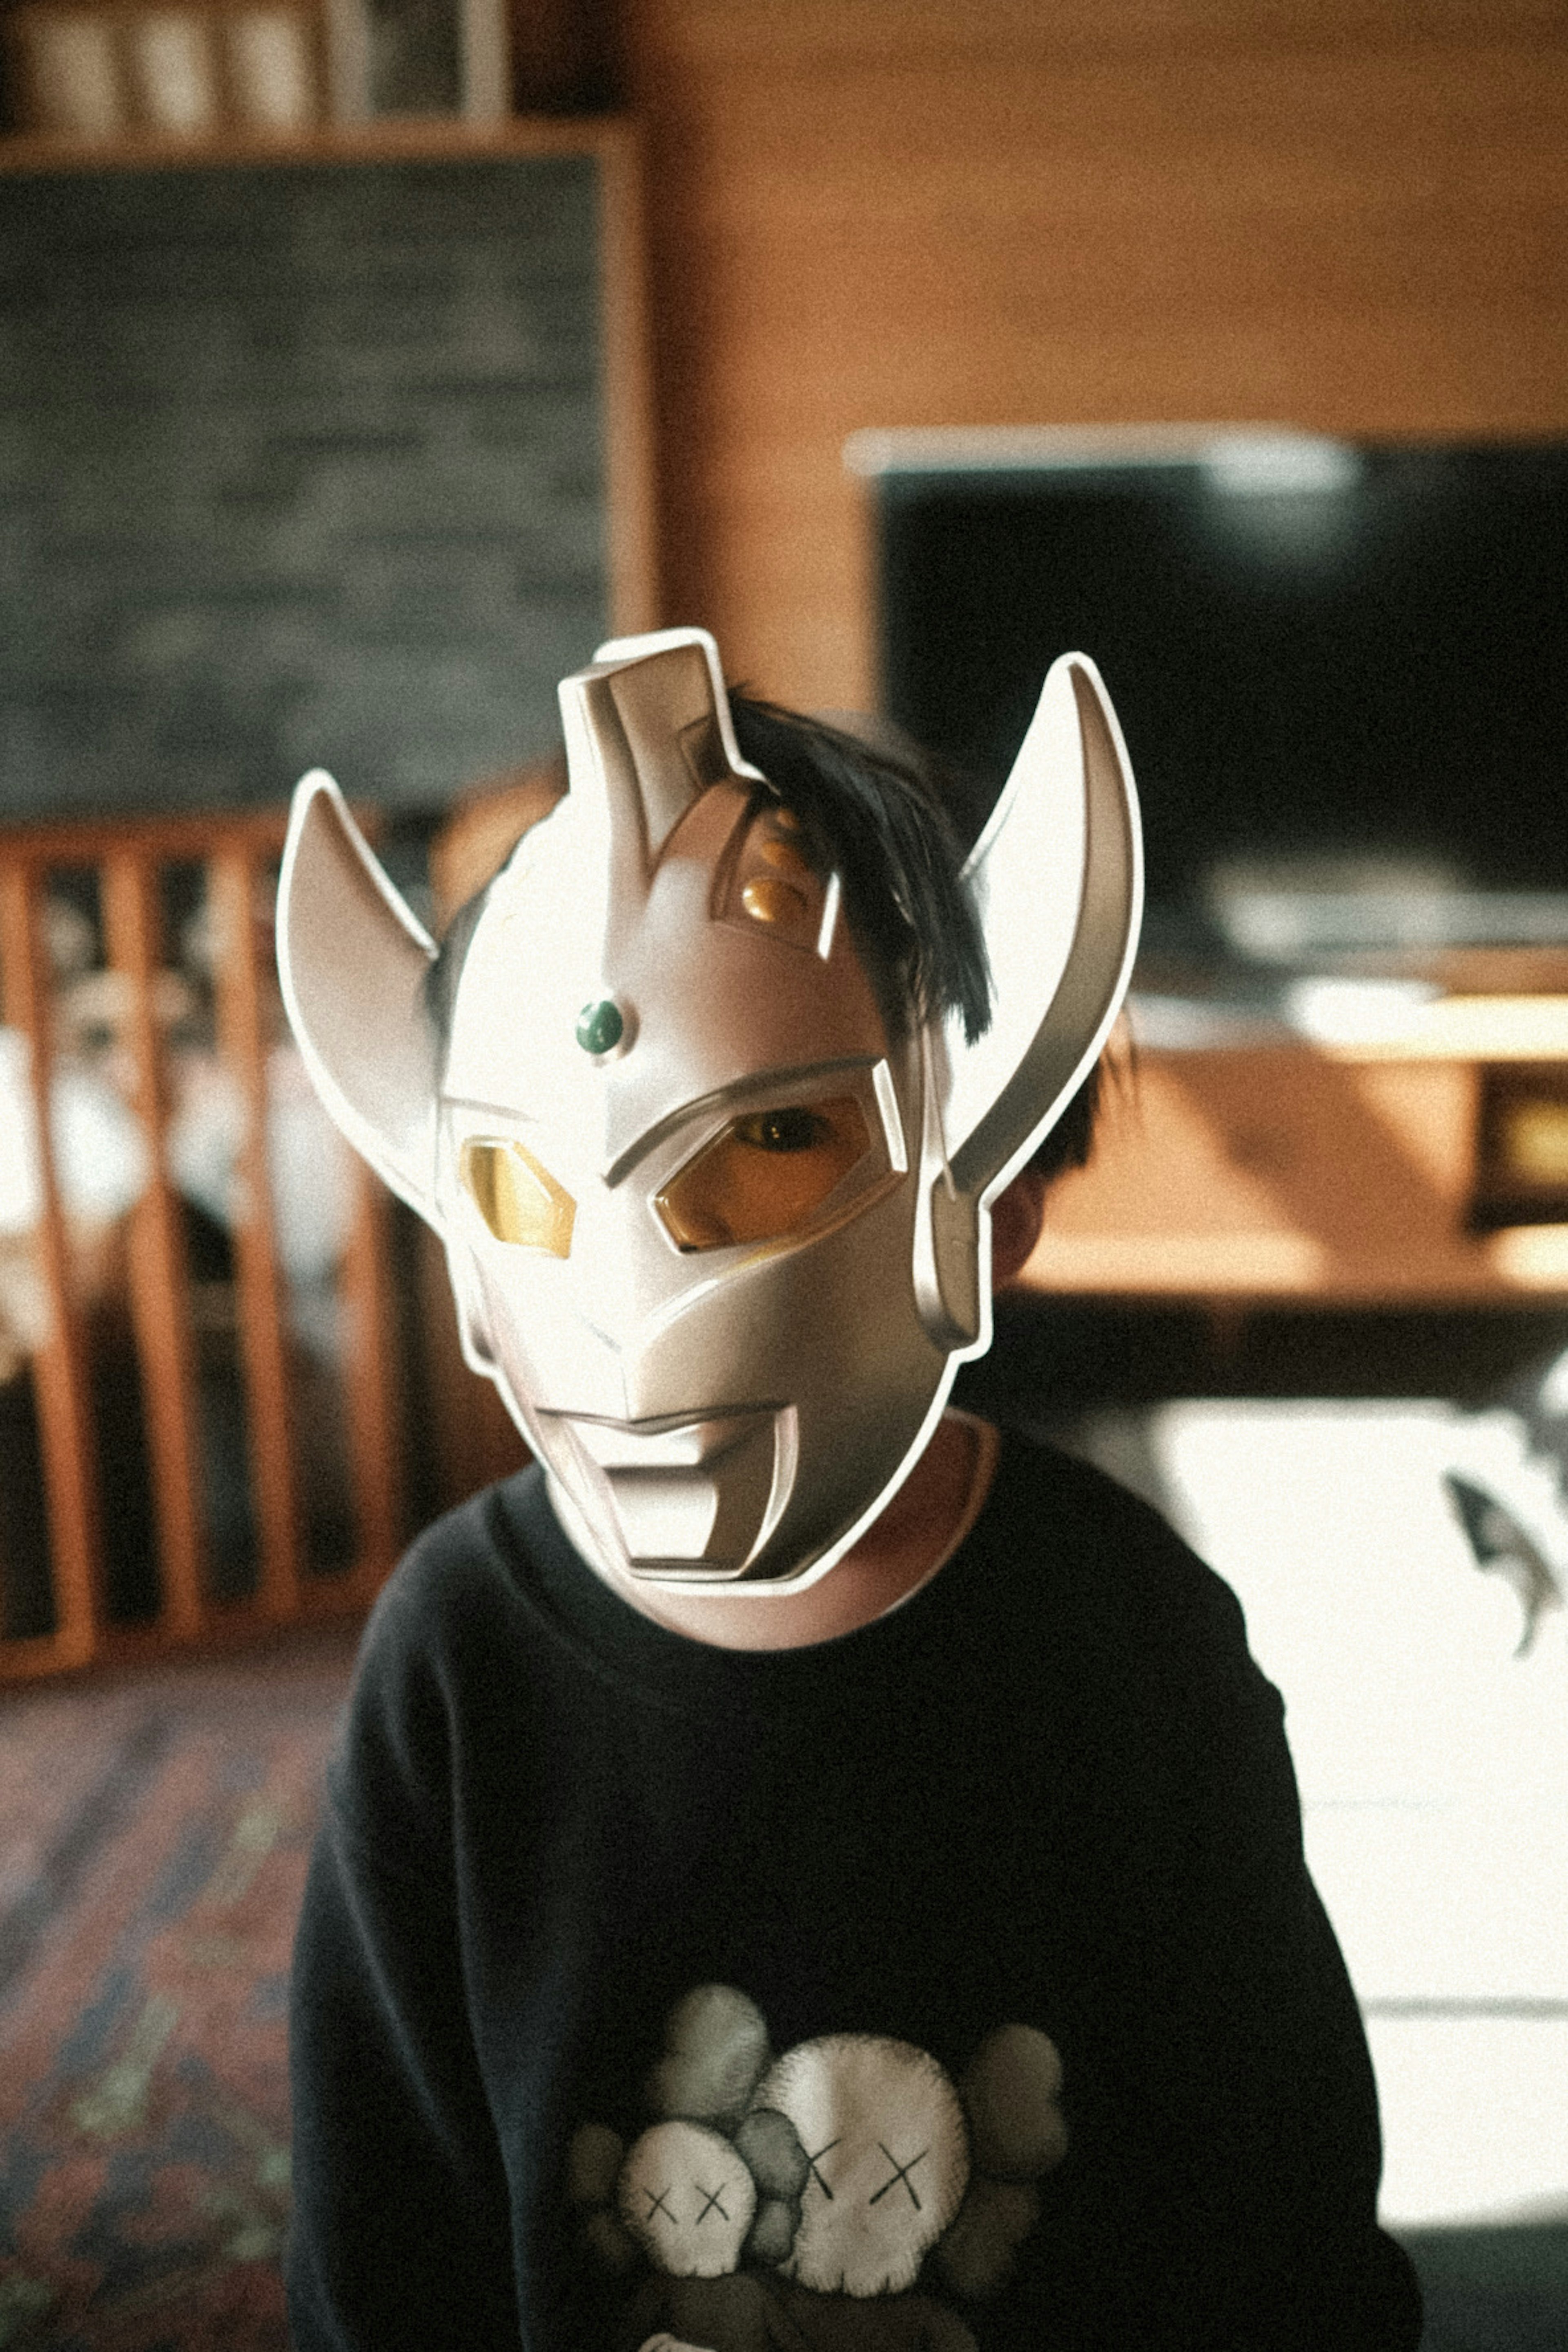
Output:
x,y
966,1965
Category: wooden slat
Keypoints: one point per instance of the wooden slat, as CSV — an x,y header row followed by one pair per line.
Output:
x,y
370,1383
160,1288
231,879
905,213
234,851
393,139
88,841
59,1367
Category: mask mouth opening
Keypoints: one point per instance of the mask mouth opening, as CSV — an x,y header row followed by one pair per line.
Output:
x,y
690,1501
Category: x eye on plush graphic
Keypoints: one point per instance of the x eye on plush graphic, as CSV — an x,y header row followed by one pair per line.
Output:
x,y
773,2195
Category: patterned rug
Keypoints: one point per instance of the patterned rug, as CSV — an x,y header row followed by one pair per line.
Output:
x,y
154,1833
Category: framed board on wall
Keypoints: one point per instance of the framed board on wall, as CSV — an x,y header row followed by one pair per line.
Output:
x,y
335,455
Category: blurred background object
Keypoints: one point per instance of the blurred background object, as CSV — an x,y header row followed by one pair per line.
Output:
x,y
122,70
67,73
97,71
418,58
484,828
190,1446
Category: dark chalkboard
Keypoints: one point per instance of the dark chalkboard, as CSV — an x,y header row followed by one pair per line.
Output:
x,y
299,463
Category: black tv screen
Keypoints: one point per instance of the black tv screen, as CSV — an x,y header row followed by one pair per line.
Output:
x,y
1320,653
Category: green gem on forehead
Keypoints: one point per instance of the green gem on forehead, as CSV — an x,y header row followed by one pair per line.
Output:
x,y
600,1026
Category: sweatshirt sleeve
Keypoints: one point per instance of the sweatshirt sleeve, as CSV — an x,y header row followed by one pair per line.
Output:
x,y
1220,2192
1274,2153
401,2234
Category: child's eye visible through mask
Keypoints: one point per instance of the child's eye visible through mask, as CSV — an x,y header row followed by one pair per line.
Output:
x,y
764,1175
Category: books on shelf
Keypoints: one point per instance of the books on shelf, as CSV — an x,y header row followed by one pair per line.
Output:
x,y
274,73
418,56
68,70
99,70
172,58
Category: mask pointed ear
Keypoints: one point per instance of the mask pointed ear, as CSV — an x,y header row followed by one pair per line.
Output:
x,y
1058,876
352,960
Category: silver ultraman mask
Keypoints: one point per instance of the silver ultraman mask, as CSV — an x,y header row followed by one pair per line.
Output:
x,y
719,1241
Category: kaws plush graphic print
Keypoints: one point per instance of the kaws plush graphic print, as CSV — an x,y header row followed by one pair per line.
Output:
x,y
800,2201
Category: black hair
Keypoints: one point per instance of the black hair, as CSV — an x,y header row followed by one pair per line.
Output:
x,y
878,821
1070,1142
894,825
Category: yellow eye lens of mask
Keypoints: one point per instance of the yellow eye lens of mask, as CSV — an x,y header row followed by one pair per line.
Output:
x,y
764,1175
518,1198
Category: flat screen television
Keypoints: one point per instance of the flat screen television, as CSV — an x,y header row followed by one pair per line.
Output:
x,y
1334,664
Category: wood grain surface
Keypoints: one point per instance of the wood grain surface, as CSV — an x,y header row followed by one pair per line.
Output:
x,y
1350,217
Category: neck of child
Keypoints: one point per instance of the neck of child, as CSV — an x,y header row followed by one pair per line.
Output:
x,y
900,1550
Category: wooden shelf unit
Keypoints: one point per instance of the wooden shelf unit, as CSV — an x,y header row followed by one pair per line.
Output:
x,y
392,139
1292,1174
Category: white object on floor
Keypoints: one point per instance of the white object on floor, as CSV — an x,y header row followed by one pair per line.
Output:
x,y
1433,1759
1472,2119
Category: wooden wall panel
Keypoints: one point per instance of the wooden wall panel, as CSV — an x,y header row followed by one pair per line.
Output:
x,y
1351,215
